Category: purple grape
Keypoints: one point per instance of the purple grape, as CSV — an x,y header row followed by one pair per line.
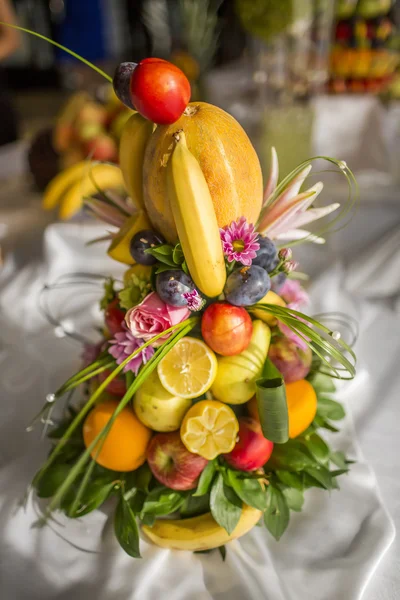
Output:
x,y
247,285
140,242
266,255
122,82
171,285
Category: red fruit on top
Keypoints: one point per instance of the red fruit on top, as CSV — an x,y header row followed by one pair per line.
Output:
x,y
226,328
160,91
117,386
114,317
172,464
252,450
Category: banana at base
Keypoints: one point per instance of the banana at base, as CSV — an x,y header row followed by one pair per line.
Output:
x,y
199,533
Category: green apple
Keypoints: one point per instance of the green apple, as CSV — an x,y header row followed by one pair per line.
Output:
x,y
158,409
236,378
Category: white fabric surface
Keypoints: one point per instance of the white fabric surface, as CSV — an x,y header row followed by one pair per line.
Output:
x,y
331,549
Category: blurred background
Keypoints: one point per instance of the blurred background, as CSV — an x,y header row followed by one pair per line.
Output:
x,y
311,77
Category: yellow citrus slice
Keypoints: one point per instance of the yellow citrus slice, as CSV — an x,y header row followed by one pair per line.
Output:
x,y
189,368
209,428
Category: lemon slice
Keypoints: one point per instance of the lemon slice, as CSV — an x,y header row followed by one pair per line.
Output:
x,y
209,428
189,368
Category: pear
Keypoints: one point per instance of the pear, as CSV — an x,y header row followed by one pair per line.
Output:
x,y
236,378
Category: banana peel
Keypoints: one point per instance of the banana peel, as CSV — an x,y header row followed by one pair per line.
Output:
x,y
135,135
64,180
120,246
97,176
199,533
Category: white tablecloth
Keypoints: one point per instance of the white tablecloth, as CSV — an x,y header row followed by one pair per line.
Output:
x,y
329,552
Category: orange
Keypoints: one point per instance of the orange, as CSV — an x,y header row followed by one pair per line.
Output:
x,y
302,406
124,448
227,159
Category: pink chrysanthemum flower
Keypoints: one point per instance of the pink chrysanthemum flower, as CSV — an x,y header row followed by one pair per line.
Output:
x,y
194,301
239,241
122,346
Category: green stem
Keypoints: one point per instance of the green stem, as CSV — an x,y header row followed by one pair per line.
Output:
x,y
74,54
89,369
99,370
78,419
143,374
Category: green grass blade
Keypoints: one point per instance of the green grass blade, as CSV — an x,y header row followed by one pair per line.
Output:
x,y
50,41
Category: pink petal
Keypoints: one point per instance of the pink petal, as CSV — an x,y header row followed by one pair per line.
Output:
x,y
273,176
288,217
316,213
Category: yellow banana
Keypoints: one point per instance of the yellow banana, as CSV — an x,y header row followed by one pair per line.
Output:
x,y
61,182
120,246
199,533
195,219
134,138
96,176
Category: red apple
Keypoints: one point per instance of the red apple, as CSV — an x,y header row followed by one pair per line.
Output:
x,y
172,464
252,450
114,317
117,386
102,147
226,328
160,91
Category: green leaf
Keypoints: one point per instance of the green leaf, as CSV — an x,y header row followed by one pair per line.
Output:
x,y
224,511
94,496
126,528
330,409
136,501
148,519
320,422
250,491
206,478
339,472
143,477
339,459
222,551
163,254
184,268
162,267
321,475
293,480
322,383
276,516
51,480
271,404
294,498
195,505
163,501
292,456
109,293
318,448
177,255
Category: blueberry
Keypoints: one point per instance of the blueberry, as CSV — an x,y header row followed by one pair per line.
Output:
x,y
171,285
277,282
247,285
140,242
122,82
266,255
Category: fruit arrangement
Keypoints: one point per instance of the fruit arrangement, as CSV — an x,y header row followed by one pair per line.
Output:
x,y
205,397
362,57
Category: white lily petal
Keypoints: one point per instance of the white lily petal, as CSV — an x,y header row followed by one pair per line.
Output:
x,y
293,187
299,234
316,213
273,176
288,217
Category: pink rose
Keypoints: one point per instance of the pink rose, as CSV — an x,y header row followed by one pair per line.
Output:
x,y
152,317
